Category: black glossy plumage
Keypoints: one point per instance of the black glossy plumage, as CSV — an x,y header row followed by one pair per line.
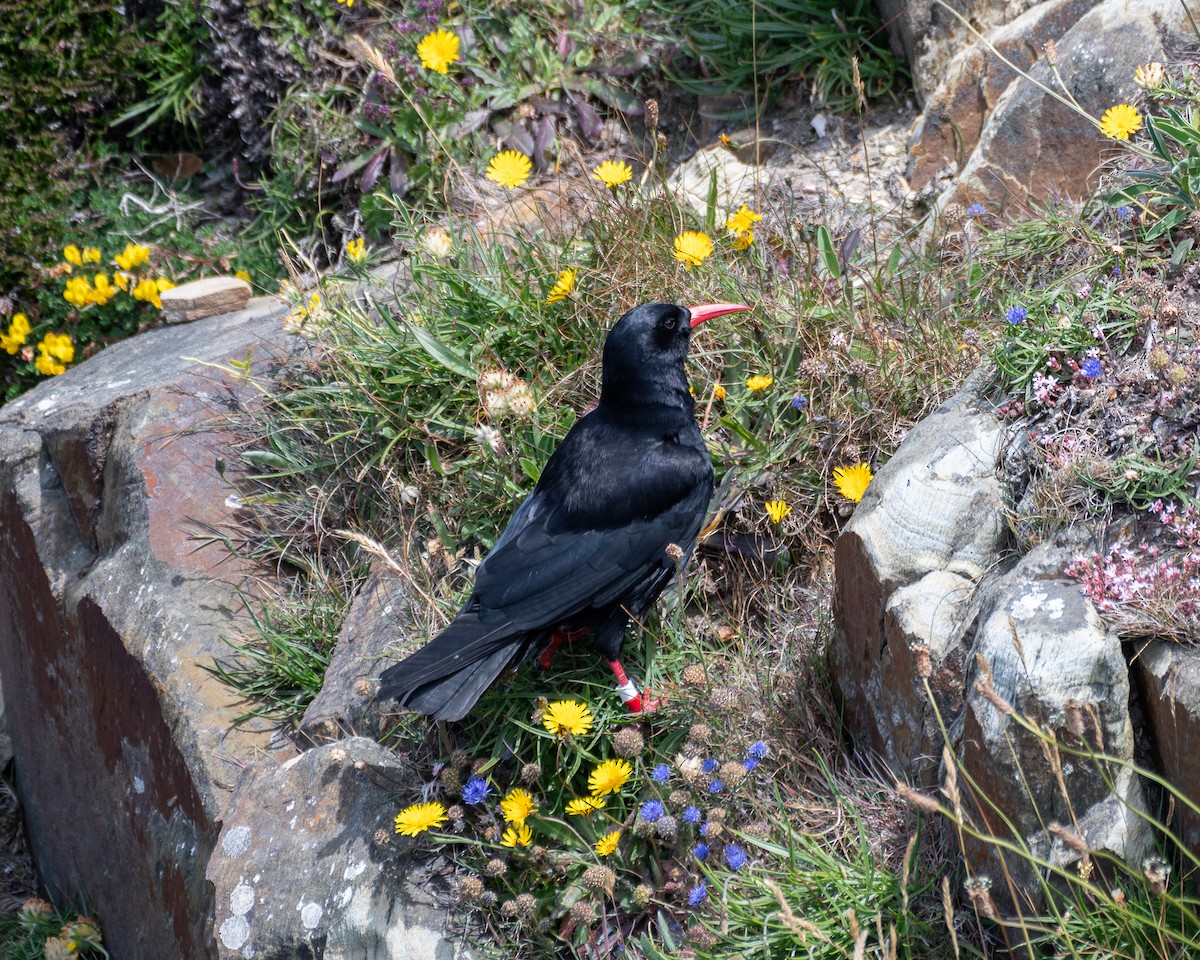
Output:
x,y
589,546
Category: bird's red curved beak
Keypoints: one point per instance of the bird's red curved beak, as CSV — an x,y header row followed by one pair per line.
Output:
x,y
706,311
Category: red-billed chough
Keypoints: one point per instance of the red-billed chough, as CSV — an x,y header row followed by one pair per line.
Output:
x,y
616,511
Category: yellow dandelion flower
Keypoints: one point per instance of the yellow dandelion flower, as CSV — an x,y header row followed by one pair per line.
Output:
x,y
692,248
608,844
562,286
517,806
1149,76
759,383
243,275
719,392
518,835
509,168
356,250
742,221
777,510
743,240
438,50
1120,121
852,482
567,717
420,817
72,255
584,806
613,173
609,777
726,140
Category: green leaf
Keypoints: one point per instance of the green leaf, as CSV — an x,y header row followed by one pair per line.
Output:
x,y
828,252
438,351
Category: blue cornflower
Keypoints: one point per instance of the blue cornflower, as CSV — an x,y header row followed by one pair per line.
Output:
x,y
700,850
709,765
697,894
1124,213
1116,271
976,210
691,815
1091,368
661,773
716,786
757,750
750,763
652,810
799,401
735,856
475,791
1015,315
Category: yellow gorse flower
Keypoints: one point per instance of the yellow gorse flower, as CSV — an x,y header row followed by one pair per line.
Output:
x,y
509,168
562,286
852,482
420,817
133,256
692,248
777,509
438,50
149,289
518,835
567,717
613,173
54,352
608,843
609,777
1120,121
719,392
517,806
743,221
584,806
18,333
757,384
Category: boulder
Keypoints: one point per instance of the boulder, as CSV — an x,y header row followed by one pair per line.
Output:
x,y
308,864
110,496
204,298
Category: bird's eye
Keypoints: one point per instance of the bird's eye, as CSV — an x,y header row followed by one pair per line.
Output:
x,y
668,323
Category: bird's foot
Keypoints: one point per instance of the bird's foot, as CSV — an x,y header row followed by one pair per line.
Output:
x,y
558,639
644,703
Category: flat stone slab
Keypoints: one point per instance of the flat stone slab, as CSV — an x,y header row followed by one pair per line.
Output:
x,y
204,298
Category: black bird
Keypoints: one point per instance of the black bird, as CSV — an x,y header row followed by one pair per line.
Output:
x,y
616,510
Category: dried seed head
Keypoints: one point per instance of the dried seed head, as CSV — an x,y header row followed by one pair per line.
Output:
x,y
678,798
700,732
454,812
919,800
701,936
583,912
1051,52
496,868
642,894
693,675
531,773
488,898
629,742
758,830
953,214
675,552
1069,838
979,891
451,781
724,698
382,838
1159,360
1178,376
508,909
732,772
922,660
526,905
470,888
460,758
599,879
667,828
643,829
651,115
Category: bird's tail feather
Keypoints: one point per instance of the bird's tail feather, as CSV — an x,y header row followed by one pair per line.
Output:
x,y
446,677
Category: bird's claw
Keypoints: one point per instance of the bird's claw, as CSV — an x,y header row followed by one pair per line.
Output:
x,y
644,703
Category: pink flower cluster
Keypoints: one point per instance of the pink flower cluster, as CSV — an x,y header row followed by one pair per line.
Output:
x,y
1146,586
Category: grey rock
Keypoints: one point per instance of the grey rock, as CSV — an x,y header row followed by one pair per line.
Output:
x,y
308,863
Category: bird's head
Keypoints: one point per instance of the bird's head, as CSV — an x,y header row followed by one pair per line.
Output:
x,y
647,346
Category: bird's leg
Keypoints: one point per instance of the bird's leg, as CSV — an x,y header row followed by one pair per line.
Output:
x,y
628,692
558,638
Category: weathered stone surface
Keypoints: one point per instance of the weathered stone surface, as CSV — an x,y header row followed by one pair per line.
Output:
x,y
308,864
123,746
1049,655
204,298
346,705
931,524
735,181
1013,138
1168,675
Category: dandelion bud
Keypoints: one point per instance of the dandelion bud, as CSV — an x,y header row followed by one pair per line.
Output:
x,y
599,879
496,868
651,115
693,675
629,742
531,773
642,894
470,888
583,912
